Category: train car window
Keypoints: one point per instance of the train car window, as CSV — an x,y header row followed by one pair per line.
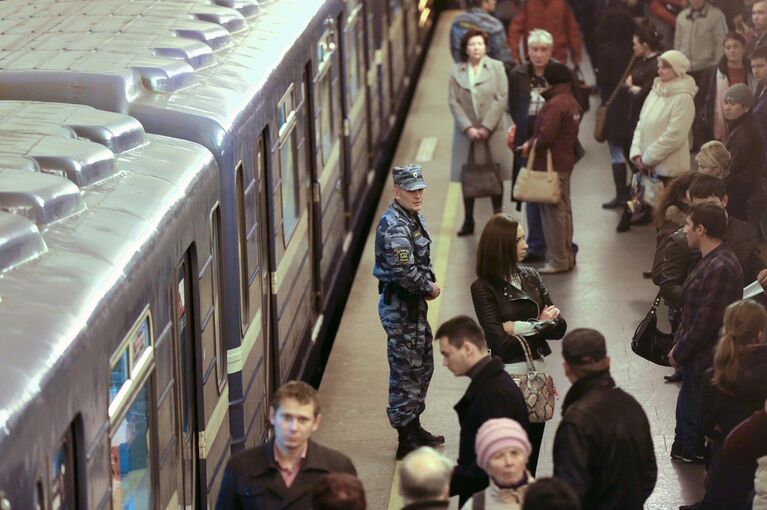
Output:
x,y
289,183
185,346
219,344
328,129
63,473
132,486
242,241
39,496
355,49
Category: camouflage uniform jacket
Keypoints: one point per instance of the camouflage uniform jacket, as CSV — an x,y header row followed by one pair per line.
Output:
x,y
403,251
497,46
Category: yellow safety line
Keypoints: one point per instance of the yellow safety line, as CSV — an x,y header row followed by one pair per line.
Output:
x,y
441,252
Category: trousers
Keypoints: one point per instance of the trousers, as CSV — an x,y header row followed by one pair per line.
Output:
x,y
411,359
688,435
557,222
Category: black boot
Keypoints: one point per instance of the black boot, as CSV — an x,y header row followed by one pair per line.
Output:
x,y
468,223
424,437
625,223
407,441
621,188
497,203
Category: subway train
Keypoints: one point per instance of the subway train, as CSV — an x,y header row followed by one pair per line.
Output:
x,y
185,186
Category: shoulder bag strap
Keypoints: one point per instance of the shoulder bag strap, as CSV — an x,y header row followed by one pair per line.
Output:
x,y
622,81
528,354
531,157
656,302
471,153
549,165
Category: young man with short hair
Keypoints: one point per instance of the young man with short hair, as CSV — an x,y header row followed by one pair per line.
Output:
x,y
281,473
492,393
602,428
713,283
759,19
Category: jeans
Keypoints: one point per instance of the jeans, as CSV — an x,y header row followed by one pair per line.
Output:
x,y
535,241
687,434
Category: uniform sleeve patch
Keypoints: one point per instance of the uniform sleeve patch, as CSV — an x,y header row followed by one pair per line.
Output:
x,y
402,255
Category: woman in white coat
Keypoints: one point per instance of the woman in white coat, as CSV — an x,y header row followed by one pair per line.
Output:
x,y
478,98
661,139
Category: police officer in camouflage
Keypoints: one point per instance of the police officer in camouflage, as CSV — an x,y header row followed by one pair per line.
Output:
x,y
405,282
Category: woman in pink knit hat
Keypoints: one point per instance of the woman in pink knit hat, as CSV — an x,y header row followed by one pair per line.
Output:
x,y
502,451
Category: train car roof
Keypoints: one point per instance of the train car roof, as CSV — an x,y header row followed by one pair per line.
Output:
x,y
84,195
194,59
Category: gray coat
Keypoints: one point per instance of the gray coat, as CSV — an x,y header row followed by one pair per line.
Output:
x,y
491,88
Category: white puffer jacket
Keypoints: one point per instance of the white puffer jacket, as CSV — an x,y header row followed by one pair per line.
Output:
x,y
663,131
760,485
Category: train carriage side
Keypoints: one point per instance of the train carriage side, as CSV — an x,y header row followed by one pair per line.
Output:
x,y
107,405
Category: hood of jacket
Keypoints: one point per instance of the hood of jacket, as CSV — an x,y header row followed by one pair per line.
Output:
x,y
683,85
676,215
555,90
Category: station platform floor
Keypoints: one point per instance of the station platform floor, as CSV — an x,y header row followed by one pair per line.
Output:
x,y
606,291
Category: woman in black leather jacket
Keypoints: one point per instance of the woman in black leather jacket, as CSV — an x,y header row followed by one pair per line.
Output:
x,y
511,300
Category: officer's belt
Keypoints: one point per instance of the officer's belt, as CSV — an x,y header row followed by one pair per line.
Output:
x,y
413,301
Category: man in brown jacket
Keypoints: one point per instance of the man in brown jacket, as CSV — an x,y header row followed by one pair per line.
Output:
x,y
556,131
554,16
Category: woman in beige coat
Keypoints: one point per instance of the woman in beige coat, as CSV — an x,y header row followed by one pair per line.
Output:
x,y
478,98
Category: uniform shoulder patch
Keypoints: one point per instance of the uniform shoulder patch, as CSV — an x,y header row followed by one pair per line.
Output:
x,y
402,255
417,234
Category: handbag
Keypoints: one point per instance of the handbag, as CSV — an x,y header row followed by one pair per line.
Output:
x,y
581,90
601,117
649,342
537,187
537,388
481,179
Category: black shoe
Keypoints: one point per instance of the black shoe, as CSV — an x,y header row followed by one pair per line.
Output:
x,y
615,203
676,452
467,229
646,274
533,257
425,437
691,457
672,378
624,225
407,441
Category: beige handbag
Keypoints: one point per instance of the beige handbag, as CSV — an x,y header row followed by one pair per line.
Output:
x,y
538,187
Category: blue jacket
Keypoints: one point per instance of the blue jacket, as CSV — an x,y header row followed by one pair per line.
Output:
x,y
497,46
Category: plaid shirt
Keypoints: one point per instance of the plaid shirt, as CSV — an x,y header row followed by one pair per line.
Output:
x,y
713,283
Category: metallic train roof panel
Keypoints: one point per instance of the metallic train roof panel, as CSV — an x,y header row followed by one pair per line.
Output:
x,y
179,90
40,198
20,241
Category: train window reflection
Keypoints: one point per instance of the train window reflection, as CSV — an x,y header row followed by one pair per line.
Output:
x,y
63,476
130,457
327,136
290,203
355,50
119,375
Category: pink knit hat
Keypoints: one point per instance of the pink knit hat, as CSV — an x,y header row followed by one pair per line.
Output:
x,y
496,434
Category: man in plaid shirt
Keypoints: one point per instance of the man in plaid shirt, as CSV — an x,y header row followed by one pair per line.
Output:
x,y
712,284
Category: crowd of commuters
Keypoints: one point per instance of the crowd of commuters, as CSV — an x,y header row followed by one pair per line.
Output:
x,y
683,84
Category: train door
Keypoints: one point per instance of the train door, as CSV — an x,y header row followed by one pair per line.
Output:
x,y
397,54
357,129
253,357
184,340
324,111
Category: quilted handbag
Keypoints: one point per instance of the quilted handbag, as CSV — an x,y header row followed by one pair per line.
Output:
x,y
481,179
537,187
537,388
649,342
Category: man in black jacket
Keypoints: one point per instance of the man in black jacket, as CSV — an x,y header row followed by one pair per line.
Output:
x,y
740,237
492,393
746,145
280,474
603,447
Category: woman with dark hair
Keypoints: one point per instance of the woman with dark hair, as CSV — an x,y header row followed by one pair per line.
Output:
x,y
647,46
478,99
615,48
733,68
733,390
511,300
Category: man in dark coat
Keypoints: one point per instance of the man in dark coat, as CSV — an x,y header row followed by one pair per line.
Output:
x,y
740,237
746,146
492,393
603,447
714,283
280,474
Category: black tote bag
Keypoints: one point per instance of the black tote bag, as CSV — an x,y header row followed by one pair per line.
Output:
x,y
649,342
481,179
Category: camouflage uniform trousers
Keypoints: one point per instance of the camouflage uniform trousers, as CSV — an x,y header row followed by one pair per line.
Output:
x,y
411,360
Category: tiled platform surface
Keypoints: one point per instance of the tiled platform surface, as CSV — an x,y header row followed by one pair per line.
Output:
x,y
605,292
